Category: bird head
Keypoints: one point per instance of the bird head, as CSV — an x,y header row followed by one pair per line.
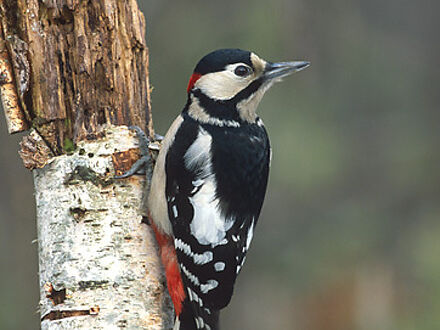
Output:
x,y
238,79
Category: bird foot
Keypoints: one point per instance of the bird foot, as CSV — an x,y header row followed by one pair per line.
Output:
x,y
144,164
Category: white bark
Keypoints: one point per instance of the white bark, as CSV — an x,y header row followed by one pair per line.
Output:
x,y
92,243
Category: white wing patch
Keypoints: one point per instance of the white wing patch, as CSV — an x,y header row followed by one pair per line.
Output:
x,y
198,155
208,226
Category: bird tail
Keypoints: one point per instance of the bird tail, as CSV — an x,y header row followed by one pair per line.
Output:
x,y
202,319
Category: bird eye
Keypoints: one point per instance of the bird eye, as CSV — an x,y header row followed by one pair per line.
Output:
x,y
242,70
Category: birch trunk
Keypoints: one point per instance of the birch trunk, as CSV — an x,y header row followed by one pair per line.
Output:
x,y
72,71
98,263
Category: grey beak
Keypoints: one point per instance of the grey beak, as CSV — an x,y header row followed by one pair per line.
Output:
x,y
283,69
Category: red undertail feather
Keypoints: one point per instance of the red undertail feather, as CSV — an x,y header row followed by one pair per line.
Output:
x,y
172,272
195,76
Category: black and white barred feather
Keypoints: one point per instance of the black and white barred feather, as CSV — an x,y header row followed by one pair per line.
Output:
x,y
215,187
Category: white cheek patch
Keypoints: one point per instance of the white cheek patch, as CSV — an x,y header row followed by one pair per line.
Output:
x,y
222,85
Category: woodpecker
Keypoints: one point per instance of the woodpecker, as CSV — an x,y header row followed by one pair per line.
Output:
x,y
209,182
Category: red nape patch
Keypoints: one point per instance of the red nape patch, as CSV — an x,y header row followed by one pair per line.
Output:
x,y
195,76
172,271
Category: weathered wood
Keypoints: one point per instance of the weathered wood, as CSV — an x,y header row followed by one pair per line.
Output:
x,y
79,65
14,114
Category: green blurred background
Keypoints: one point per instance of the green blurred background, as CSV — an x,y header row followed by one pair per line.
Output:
x,y
349,237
